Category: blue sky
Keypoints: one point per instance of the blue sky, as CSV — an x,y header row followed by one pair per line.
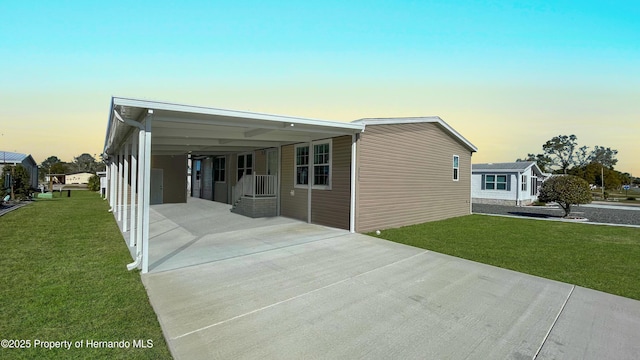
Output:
x,y
507,75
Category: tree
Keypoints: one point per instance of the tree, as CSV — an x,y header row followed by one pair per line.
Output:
x,y
541,160
45,166
563,151
59,168
85,163
20,180
566,190
604,156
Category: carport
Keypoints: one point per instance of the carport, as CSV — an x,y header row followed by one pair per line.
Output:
x,y
148,143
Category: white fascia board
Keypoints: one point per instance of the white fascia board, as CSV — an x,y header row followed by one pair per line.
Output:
x,y
413,120
145,104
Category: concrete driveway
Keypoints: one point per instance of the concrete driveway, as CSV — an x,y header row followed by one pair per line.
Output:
x,y
272,292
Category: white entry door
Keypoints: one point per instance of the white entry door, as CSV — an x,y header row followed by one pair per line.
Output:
x,y
156,186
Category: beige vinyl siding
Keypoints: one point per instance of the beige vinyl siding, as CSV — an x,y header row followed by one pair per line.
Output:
x,y
174,177
293,206
331,207
260,162
405,176
328,207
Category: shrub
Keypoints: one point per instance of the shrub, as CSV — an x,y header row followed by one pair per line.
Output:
x,y
631,198
566,190
94,183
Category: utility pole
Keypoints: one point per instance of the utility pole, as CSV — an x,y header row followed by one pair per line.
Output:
x,y
602,177
13,196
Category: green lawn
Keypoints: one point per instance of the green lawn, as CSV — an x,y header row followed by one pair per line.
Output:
x,y
604,258
63,276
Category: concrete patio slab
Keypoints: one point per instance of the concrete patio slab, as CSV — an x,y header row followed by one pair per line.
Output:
x,y
279,288
202,231
595,325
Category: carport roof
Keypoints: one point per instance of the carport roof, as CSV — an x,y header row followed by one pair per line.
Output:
x,y
197,130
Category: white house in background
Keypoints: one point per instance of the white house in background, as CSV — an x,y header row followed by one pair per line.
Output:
x,y
79,178
515,183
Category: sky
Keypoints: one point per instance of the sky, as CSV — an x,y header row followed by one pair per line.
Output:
x,y
507,75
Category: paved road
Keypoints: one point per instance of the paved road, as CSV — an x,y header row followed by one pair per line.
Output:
x,y
596,213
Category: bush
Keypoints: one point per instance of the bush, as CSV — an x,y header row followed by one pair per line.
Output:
x,y
631,198
94,183
566,190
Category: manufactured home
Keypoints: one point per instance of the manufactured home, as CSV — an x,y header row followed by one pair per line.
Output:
x,y
361,176
515,183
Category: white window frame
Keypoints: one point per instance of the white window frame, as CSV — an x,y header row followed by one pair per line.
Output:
x,y
523,182
456,168
311,163
495,182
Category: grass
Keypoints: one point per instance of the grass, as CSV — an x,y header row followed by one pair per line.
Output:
x,y
600,257
619,195
63,276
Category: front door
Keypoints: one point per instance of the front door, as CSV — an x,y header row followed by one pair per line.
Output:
x,y
156,186
245,165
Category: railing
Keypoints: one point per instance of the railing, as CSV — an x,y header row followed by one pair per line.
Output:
x,y
254,185
238,190
265,185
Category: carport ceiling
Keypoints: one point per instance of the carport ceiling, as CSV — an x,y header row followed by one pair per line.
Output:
x,y
181,129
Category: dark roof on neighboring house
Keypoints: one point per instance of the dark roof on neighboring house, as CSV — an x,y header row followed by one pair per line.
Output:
x,y
8,157
518,165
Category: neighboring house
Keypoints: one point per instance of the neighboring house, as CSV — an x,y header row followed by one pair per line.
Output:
x,y
103,182
78,178
516,183
12,158
361,176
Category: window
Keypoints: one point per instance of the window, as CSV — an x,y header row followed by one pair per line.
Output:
x,y
245,165
456,168
219,168
321,165
496,182
524,183
302,165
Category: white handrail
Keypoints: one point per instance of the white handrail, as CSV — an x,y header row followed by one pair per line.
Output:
x,y
265,185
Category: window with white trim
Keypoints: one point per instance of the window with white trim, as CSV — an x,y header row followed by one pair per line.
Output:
x,y
523,183
495,182
321,163
302,165
456,167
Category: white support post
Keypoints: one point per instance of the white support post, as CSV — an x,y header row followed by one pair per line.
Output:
x,y
125,206
146,189
278,199
134,179
310,182
119,190
352,209
140,211
112,186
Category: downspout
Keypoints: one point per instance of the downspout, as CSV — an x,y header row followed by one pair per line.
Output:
x,y
138,260
518,179
352,210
